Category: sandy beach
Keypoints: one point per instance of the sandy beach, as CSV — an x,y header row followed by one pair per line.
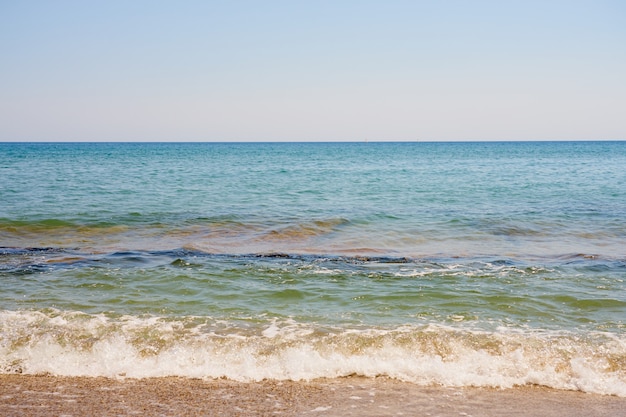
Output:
x,y
28,395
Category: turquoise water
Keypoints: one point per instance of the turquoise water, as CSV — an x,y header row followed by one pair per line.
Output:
x,y
490,264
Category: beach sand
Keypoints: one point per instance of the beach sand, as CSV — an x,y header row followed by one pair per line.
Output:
x,y
31,395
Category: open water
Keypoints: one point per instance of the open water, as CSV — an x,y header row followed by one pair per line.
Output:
x,y
456,264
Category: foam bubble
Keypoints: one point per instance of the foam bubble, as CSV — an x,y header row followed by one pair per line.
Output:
x,y
77,344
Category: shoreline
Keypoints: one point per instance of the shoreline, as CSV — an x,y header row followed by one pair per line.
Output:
x,y
43,395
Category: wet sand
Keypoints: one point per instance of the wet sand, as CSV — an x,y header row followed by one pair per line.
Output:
x,y
27,395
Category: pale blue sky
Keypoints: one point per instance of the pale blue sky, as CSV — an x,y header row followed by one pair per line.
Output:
x,y
312,70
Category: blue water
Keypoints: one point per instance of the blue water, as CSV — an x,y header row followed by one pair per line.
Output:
x,y
492,264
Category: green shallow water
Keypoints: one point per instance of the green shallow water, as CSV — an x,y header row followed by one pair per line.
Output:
x,y
369,291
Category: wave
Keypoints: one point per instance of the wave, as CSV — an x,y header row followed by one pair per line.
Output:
x,y
77,344
25,260
303,230
511,260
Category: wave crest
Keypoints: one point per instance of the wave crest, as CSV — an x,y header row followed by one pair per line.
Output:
x,y
78,344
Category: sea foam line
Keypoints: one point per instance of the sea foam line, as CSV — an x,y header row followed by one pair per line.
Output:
x,y
76,344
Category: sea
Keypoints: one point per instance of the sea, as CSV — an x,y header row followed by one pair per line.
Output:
x,y
457,264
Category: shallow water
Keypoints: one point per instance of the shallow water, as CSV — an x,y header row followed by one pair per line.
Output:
x,y
483,264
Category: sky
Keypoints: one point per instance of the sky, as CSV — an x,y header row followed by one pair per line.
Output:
x,y
317,70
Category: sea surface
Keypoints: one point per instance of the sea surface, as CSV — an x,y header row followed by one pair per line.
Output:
x,y
455,264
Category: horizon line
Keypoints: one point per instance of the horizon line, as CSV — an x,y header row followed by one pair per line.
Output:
x,y
319,141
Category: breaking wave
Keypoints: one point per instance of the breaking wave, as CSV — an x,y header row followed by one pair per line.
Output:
x,y
78,344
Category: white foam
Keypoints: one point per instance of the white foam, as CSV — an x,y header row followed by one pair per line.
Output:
x,y
76,344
